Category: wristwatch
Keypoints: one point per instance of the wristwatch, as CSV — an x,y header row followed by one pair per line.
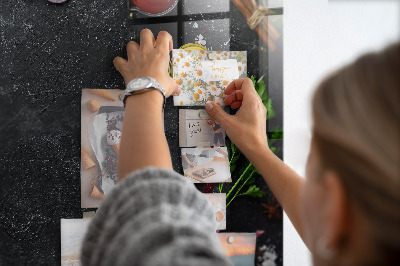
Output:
x,y
140,85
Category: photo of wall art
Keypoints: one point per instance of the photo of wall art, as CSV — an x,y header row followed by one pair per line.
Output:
x,y
239,247
218,201
206,165
72,234
197,128
204,75
102,115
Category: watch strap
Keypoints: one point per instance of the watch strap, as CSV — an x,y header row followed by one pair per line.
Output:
x,y
154,85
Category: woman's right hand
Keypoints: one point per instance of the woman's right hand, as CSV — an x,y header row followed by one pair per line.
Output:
x,y
247,128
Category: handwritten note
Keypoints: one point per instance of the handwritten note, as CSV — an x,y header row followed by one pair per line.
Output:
x,y
194,128
217,70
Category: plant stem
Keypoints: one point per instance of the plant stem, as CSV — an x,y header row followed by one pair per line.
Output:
x,y
240,178
221,185
237,192
233,155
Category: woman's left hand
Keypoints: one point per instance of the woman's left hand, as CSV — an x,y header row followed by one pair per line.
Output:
x,y
149,59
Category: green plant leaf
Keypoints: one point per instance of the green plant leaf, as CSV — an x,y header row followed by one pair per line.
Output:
x,y
244,167
235,158
261,89
234,149
251,180
254,192
270,110
232,168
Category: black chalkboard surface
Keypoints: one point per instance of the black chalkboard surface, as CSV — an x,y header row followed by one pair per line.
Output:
x,y
48,53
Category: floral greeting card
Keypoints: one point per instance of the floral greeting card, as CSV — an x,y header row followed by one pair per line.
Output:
x,y
204,75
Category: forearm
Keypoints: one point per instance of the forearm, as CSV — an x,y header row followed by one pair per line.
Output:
x,y
186,159
284,183
143,141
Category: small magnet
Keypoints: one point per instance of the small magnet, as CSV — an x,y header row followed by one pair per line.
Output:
x,y
211,56
203,114
231,239
203,145
88,215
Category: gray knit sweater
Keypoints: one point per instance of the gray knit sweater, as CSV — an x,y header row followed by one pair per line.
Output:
x,y
154,217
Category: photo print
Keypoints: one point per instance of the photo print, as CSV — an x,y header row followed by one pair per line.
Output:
x,y
204,75
239,247
197,128
218,201
206,165
72,233
102,114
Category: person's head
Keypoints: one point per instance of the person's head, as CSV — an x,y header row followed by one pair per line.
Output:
x,y
351,198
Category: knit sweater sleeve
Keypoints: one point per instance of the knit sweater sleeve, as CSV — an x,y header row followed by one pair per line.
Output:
x,y
153,217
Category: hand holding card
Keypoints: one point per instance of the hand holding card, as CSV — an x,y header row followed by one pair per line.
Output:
x,y
252,115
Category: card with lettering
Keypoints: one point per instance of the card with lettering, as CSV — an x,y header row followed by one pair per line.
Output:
x,y
197,128
204,75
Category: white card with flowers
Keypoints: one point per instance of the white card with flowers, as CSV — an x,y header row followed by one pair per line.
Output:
x,y
204,75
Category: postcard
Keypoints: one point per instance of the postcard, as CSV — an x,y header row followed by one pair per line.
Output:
x,y
204,75
218,201
239,247
102,115
206,165
197,128
72,234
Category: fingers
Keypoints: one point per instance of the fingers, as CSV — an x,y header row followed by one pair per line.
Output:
x,y
236,105
164,42
235,99
245,85
131,49
218,113
177,92
119,63
147,41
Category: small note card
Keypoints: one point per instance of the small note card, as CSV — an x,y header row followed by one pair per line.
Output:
x,y
204,75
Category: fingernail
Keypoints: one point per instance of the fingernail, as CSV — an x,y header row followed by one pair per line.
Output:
x,y
209,106
179,90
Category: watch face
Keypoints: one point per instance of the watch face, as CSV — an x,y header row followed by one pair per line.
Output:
x,y
140,83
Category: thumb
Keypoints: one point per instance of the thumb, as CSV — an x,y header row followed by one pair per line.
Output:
x,y
119,64
217,112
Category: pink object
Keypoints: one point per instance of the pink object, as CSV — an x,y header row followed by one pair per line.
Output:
x,y
154,6
259,233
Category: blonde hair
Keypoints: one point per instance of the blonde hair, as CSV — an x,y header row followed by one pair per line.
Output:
x,y
356,114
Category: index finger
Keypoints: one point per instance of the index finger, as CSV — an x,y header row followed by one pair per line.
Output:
x,y
245,85
164,41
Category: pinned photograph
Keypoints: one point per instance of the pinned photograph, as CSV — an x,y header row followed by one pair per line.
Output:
x,y
102,114
204,75
206,165
239,247
72,234
218,201
197,128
